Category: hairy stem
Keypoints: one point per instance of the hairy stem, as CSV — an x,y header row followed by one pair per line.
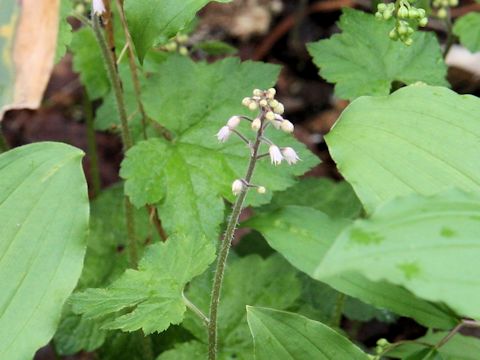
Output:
x,y
91,145
224,250
126,137
108,23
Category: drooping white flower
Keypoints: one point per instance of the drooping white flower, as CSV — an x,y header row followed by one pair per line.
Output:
x,y
276,156
223,134
98,7
290,155
233,122
237,187
256,124
287,126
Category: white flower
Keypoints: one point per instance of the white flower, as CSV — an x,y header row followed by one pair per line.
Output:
x,y
261,190
290,155
233,122
256,124
237,187
275,155
224,134
277,123
287,126
98,7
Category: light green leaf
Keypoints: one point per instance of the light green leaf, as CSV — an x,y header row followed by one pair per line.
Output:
x,y
283,335
151,19
149,298
427,245
336,199
44,217
362,60
467,28
459,347
188,176
64,36
303,235
216,47
420,139
248,281
88,62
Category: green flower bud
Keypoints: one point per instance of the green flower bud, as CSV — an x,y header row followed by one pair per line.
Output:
x,y
402,29
182,38
393,34
421,13
378,15
183,50
381,7
442,13
408,41
402,12
453,3
387,14
413,13
423,22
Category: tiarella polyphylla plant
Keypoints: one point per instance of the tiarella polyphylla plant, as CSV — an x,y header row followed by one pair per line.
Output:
x,y
407,18
269,115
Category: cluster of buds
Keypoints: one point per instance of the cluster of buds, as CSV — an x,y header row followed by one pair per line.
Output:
x,y
270,113
177,44
442,7
407,17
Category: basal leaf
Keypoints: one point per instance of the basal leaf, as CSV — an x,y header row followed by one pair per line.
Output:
x,y
467,28
149,20
427,245
149,298
44,216
362,60
420,139
283,335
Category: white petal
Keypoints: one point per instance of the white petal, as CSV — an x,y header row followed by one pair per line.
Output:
x,y
223,134
290,155
233,122
237,187
98,7
275,155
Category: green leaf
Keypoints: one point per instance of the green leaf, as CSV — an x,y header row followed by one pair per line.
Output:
x,y
149,298
216,47
248,281
427,245
186,351
467,28
459,347
150,19
336,199
44,216
65,35
283,335
188,177
420,139
88,62
362,60
303,235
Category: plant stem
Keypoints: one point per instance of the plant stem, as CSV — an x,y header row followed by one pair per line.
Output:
x,y
91,145
225,248
338,310
195,309
126,137
108,23
3,141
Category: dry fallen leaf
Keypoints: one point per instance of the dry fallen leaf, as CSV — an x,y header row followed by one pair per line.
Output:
x,y
28,36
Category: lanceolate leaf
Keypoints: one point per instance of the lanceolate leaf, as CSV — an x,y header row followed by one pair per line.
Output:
x,y
467,29
427,245
44,217
149,298
149,20
283,335
362,60
420,139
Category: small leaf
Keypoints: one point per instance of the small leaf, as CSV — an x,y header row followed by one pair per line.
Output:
x,y
283,335
467,29
362,60
384,146
149,20
427,245
216,47
44,216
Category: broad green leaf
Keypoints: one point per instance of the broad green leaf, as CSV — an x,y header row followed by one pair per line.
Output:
x,y
362,60
44,216
303,236
248,281
106,259
420,139
283,335
88,62
427,245
467,28
150,19
459,347
336,199
149,298
188,177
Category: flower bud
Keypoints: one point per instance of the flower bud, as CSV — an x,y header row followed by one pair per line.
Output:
x,y
237,187
183,50
387,14
263,103
423,22
253,106
402,12
246,101
287,126
290,155
257,92
381,7
442,13
256,124
408,42
270,115
261,190
182,38
171,46
453,3
276,156
271,93
279,109
233,122
273,103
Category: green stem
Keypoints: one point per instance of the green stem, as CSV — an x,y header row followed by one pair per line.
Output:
x,y
91,145
338,311
126,137
224,250
195,310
